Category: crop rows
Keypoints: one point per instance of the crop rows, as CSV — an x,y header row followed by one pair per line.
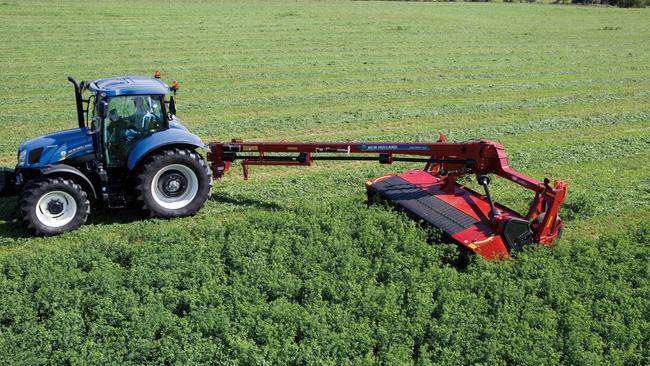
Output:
x,y
292,266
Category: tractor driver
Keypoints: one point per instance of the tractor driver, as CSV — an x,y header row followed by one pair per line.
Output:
x,y
120,134
121,129
130,119
142,118
138,116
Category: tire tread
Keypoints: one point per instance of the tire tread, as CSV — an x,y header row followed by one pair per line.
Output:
x,y
27,199
156,162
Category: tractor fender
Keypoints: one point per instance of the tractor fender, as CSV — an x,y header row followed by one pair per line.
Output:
x,y
64,170
170,137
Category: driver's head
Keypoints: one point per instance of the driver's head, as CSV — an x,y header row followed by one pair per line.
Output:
x,y
113,116
139,104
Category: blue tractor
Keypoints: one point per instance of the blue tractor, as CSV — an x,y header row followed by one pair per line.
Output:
x,y
129,148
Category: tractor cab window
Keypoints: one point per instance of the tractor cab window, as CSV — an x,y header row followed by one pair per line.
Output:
x,y
129,119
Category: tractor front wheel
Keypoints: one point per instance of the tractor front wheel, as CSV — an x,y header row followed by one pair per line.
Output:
x,y
51,206
174,183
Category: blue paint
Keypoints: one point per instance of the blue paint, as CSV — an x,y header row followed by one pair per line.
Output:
x,y
129,85
177,134
59,146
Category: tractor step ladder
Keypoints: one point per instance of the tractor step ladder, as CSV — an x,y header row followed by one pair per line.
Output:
x,y
116,200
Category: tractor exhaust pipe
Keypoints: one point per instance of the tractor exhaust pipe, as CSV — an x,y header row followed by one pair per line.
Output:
x,y
77,95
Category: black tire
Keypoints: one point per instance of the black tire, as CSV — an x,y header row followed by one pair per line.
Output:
x,y
52,206
175,168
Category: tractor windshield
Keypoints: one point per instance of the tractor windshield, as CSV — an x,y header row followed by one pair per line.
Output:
x,y
144,112
130,118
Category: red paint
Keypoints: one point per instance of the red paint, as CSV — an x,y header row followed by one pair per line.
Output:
x,y
445,161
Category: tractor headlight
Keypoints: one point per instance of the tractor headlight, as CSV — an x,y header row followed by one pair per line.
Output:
x,y
21,157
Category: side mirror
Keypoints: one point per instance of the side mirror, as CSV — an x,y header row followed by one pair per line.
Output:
x,y
172,106
102,109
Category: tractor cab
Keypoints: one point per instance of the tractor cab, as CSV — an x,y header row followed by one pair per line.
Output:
x,y
125,111
116,115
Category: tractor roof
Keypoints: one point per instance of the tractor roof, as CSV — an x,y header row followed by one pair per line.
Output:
x,y
127,85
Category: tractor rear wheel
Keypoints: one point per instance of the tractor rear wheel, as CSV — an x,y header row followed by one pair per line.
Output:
x,y
174,183
51,206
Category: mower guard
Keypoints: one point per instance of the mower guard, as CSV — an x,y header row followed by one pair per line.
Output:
x,y
454,209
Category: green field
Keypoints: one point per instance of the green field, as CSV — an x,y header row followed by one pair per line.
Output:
x,y
292,267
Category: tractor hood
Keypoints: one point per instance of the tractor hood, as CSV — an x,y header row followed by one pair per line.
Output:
x,y
55,147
